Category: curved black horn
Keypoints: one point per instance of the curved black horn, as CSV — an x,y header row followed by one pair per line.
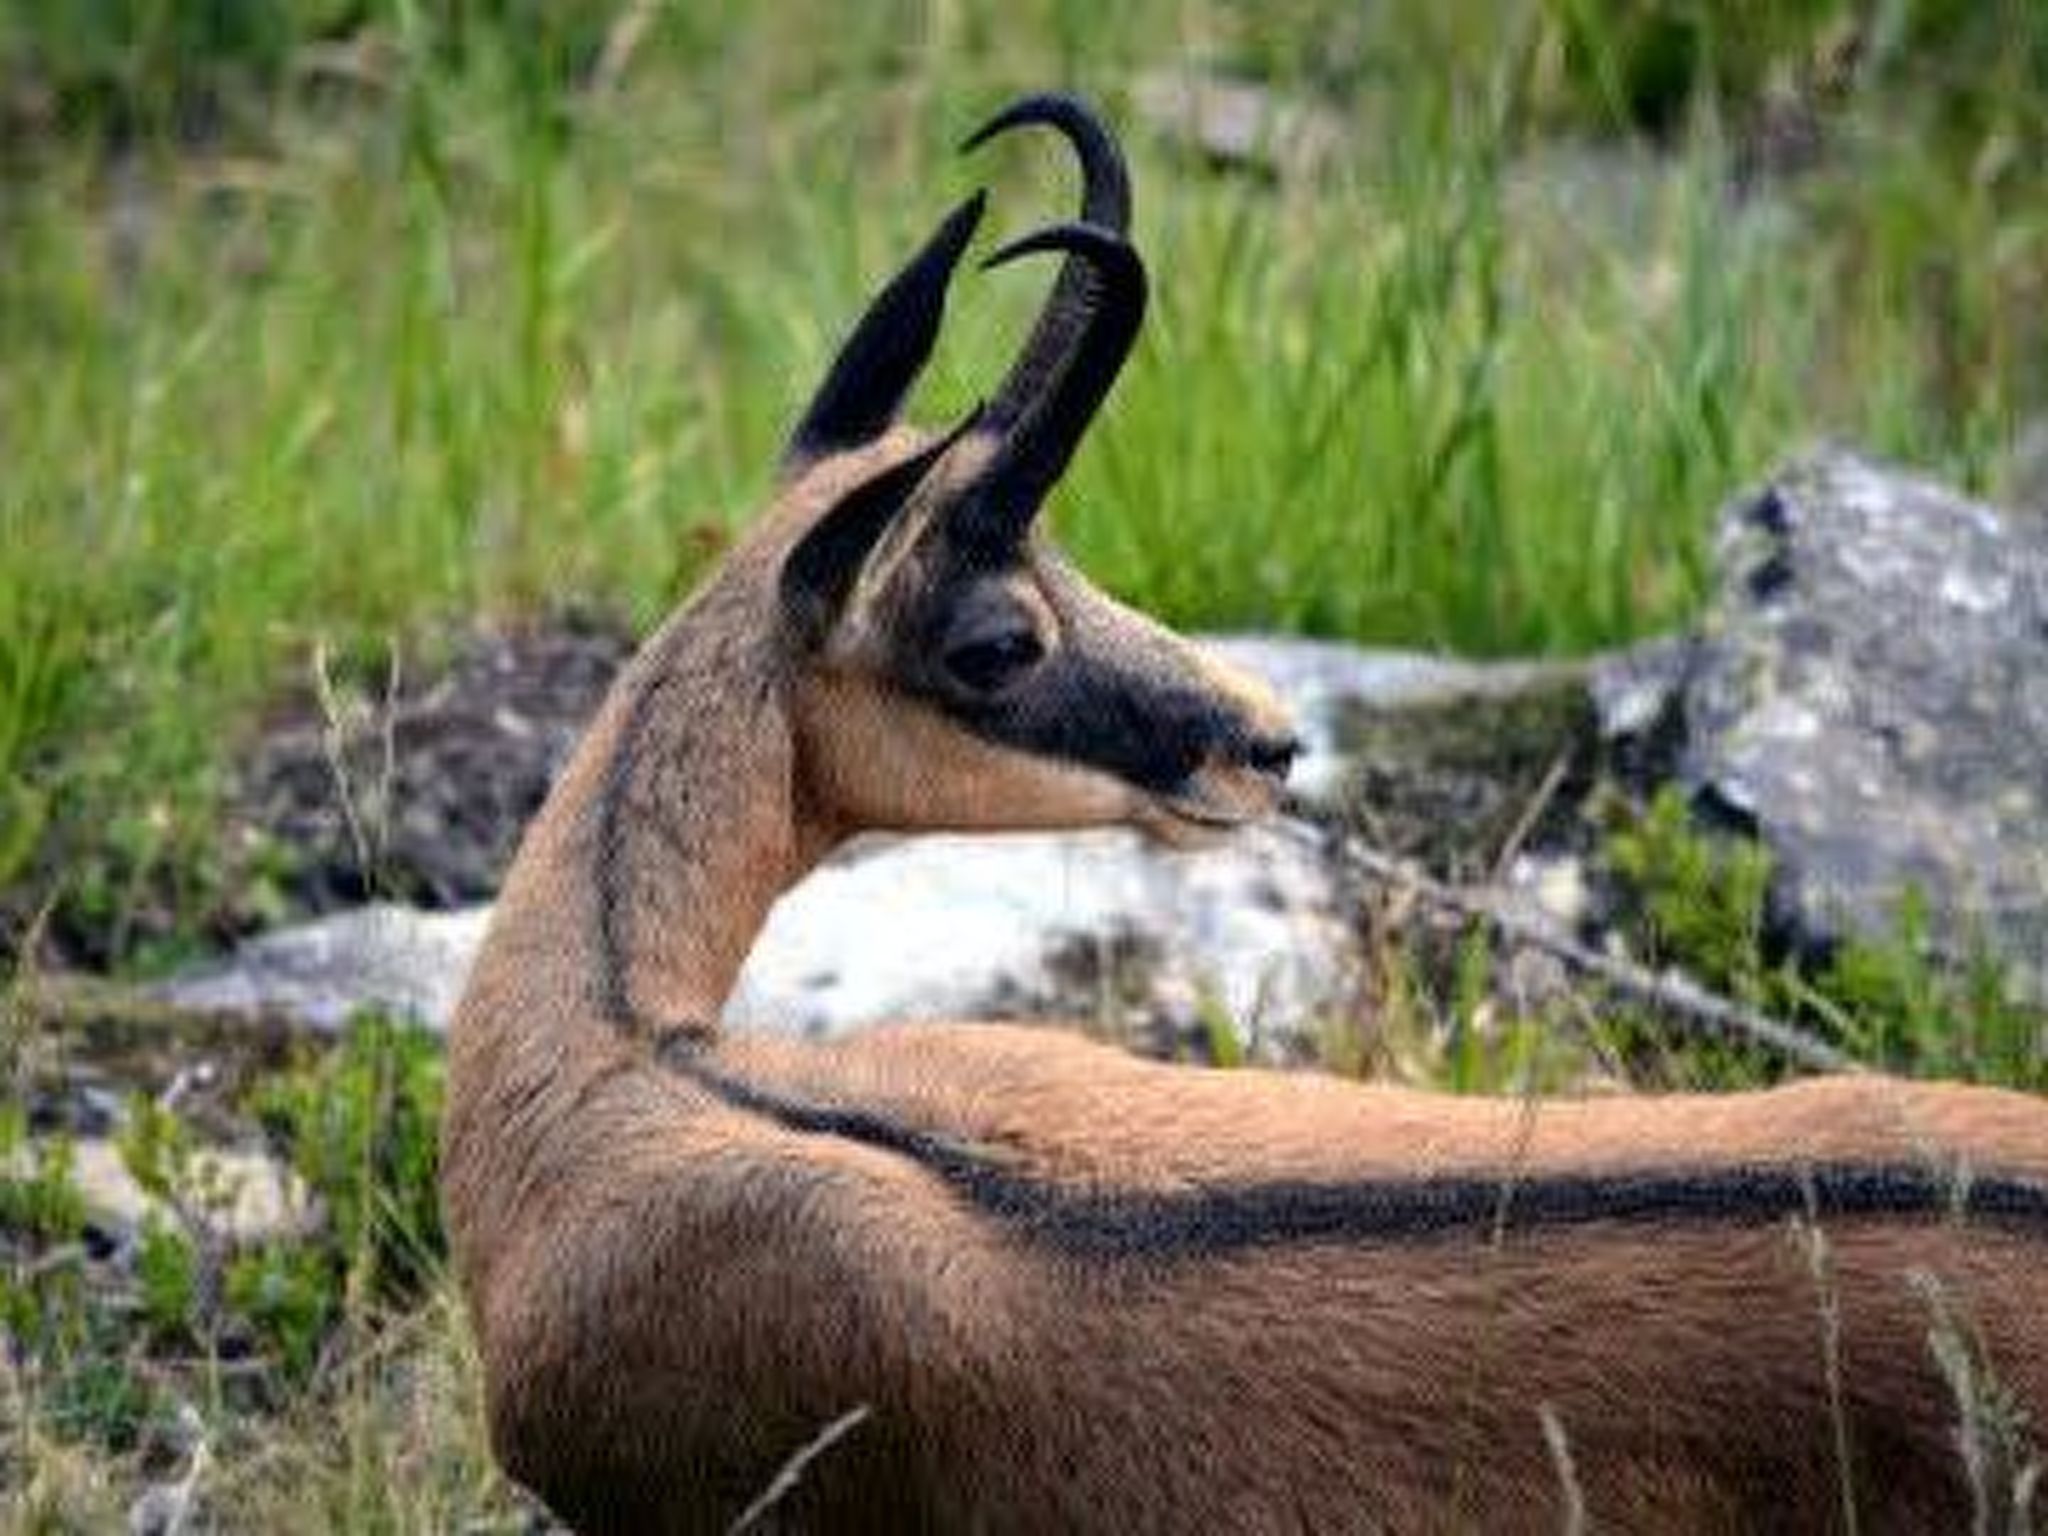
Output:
x,y
879,362
1035,450
1105,180
1105,203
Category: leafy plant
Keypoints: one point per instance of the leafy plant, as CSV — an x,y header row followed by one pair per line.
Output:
x,y
1901,1005
360,1126
40,1202
1702,899
156,1147
289,1293
166,1276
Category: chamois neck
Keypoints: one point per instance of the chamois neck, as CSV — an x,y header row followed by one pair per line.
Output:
x,y
695,825
676,824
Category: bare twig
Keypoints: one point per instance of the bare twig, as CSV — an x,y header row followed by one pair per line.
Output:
x,y
621,42
793,1469
370,840
334,743
1670,991
1573,1519
1525,823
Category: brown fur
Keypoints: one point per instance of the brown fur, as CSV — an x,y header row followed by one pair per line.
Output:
x,y
684,1260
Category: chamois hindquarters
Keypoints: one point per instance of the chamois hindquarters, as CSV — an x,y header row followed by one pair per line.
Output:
x,y
1230,1270
1014,1381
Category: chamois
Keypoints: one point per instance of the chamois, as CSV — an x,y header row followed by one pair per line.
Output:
x,y
1038,1284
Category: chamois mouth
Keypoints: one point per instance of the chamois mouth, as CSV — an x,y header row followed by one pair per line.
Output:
x,y
1221,798
1183,827
1208,817
1190,818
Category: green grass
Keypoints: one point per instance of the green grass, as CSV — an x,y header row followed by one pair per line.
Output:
x,y
332,330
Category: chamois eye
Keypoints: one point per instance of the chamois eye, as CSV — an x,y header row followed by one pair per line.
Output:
x,y
986,664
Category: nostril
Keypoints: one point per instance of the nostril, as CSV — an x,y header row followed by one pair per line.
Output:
x,y
1272,754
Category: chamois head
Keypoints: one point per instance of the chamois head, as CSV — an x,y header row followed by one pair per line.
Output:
x,y
954,670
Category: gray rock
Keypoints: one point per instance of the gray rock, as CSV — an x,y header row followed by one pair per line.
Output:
x,y
1871,695
386,956
247,1195
1238,123
1094,926
1638,699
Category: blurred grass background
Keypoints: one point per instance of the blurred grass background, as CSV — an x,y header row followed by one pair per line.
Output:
x,y
341,323
330,327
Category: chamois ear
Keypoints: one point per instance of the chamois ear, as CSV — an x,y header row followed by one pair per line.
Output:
x,y
819,573
879,362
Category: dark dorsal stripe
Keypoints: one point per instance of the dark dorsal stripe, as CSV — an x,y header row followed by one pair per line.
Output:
x,y
612,870
1226,1218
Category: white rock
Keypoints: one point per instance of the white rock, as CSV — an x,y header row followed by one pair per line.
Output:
x,y
246,1195
914,928
959,927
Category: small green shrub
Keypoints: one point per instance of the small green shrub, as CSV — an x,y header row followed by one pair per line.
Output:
x,y
39,1201
1701,900
361,1126
69,1350
288,1292
108,1344
92,1392
155,1147
1900,1005
167,1279
1445,1012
